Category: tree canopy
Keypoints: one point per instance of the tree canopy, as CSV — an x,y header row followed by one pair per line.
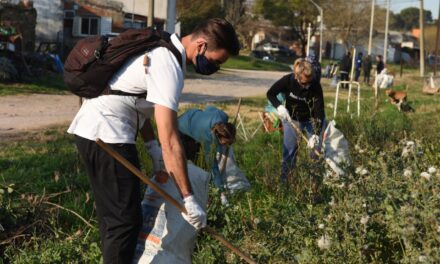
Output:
x,y
408,18
296,14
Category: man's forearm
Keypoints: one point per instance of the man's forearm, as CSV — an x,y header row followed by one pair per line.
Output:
x,y
175,162
172,149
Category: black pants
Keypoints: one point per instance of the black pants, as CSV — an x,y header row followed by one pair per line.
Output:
x,y
117,197
344,77
367,77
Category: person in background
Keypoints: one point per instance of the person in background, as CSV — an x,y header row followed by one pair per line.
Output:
x,y
304,108
358,66
345,68
367,65
380,65
208,128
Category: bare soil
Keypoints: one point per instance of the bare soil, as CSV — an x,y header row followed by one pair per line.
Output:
x,y
20,115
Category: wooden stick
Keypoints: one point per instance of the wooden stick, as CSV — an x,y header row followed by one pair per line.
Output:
x,y
170,199
71,211
139,174
304,137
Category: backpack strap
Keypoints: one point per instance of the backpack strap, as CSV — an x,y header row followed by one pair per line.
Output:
x,y
119,92
166,42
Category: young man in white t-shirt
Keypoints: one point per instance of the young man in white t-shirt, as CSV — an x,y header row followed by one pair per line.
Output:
x,y
116,119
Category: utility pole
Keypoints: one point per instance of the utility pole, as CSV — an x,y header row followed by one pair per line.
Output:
x,y
150,13
385,45
437,42
370,40
309,29
132,13
171,16
321,18
422,40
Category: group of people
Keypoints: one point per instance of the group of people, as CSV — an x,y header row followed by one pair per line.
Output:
x,y
118,118
362,65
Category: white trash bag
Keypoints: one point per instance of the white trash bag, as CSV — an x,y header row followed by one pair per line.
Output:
x,y
384,80
336,151
235,178
165,236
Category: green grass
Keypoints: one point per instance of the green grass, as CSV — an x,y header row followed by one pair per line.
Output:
x,y
45,85
273,223
250,63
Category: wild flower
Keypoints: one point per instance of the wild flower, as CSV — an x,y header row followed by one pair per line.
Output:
x,y
408,149
347,218
361,171
324,242
432,170
407,173
332,202
425,175
423,258
364,219
341,185
359,149
321,226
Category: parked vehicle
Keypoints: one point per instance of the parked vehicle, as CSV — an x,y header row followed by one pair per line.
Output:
x,y
261,54
271,47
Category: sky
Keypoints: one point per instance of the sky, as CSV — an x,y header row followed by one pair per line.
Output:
x,y
397,5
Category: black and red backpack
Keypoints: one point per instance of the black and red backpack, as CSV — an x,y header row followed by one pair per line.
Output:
x,y
94,60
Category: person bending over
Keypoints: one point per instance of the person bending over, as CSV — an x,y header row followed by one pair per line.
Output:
x,y
304,108
207,128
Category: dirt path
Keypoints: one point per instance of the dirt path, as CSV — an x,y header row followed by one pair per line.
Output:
x,y
21,113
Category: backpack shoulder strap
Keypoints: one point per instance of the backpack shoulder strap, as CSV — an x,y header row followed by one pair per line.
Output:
x,y
167,43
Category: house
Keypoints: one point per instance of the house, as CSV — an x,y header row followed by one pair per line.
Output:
x,y
83,18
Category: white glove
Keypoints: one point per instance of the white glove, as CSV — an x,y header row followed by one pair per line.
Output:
x,y
153,148
283,113
196,216
313,142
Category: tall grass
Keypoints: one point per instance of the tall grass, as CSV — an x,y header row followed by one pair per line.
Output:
x,y
381,211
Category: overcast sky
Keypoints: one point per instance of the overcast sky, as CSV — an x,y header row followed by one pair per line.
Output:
x,y
397,5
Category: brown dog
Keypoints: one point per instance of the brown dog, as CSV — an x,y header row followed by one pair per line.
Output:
x,y
399,98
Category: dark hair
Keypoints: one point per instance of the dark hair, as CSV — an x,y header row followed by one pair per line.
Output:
x,y
226,131
220,34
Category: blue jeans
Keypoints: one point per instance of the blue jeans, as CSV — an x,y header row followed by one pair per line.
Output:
x,y
290,144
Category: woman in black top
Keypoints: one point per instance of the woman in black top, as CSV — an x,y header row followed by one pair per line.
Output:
x,y
304,107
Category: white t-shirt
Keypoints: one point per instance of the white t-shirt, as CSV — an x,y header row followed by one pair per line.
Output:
x,y
114,118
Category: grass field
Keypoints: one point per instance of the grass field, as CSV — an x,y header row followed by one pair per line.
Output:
x,y
46,85
385,210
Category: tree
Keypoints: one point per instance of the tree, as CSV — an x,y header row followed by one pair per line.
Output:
x,y
191,12
350,20
234,11
408,18
296,14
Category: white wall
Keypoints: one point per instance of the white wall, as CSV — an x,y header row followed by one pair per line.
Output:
x,y
49,20
141,7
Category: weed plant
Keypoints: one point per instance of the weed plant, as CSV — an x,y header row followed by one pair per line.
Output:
x,y
385,209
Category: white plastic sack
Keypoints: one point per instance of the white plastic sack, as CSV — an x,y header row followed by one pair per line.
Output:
x,y
165,236
336,151
235,178
384,80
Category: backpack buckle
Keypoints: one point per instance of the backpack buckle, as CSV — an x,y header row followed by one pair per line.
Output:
x,y
97,54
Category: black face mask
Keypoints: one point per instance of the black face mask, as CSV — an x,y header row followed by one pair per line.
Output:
x,y
204,66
